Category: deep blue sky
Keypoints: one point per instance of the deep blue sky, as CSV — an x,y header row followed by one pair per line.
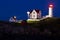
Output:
x,y
19,8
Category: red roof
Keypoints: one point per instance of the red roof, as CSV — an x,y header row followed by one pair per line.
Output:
x,y
35,10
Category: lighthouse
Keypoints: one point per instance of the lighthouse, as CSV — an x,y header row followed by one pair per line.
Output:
x,y
50,10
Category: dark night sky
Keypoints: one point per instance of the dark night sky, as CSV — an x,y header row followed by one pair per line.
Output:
x,y
19,8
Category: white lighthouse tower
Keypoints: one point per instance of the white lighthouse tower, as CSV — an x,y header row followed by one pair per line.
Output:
x,y
50,10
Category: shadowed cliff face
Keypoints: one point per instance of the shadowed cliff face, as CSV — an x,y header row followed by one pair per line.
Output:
x,y
44,29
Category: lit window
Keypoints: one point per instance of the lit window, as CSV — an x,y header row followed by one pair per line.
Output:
x,y
33,12
33,15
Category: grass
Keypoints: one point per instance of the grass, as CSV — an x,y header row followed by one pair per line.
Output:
x,y
32,21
